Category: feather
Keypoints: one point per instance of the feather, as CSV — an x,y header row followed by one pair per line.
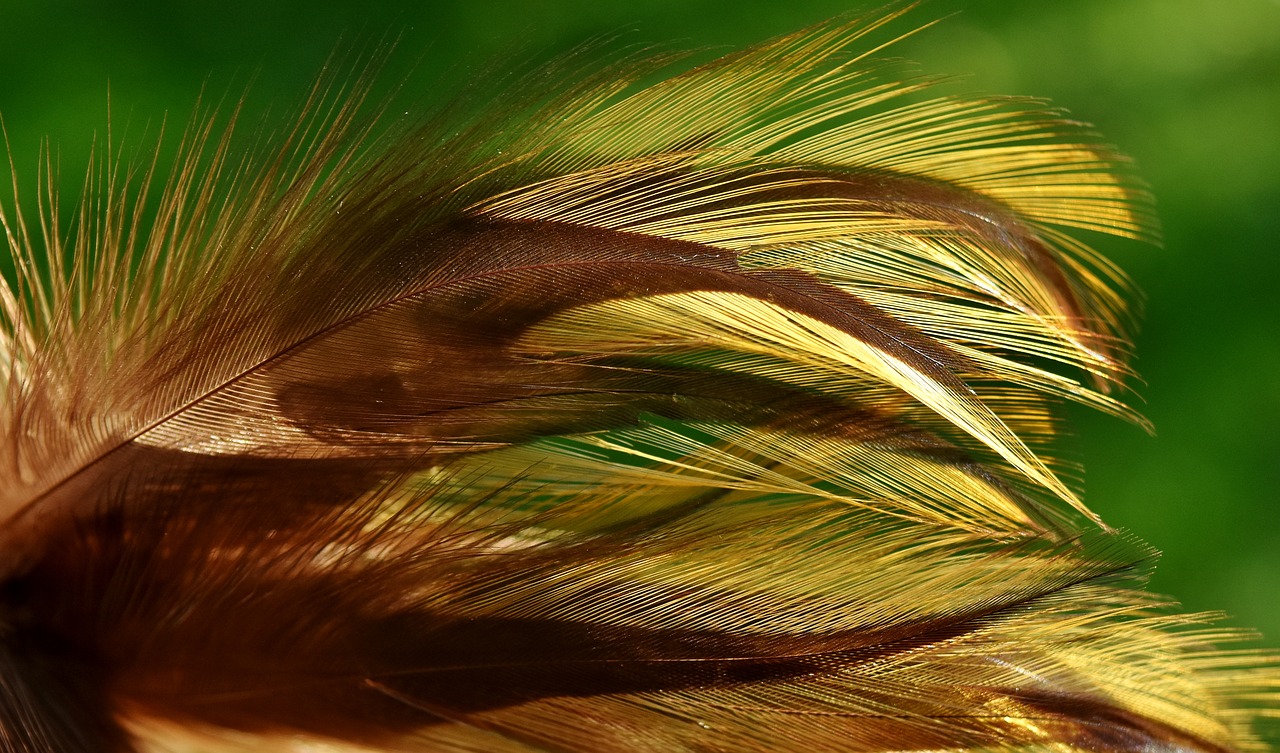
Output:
x,y
713,414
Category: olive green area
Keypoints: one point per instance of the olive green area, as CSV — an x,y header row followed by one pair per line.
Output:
x,y
1190,88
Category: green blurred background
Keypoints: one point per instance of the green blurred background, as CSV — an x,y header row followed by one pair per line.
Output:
x,y
1190,88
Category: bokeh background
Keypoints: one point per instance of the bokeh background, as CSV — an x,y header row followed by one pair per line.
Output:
x,y
1190,88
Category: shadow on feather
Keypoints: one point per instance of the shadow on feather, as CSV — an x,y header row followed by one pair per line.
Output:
x,y
712,414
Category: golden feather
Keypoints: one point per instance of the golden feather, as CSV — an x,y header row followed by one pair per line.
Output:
x,y
714,414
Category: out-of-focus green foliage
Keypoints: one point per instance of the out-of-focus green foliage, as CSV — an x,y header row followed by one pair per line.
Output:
x,y
1190,88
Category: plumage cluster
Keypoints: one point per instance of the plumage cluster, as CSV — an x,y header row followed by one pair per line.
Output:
x,y
708,415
